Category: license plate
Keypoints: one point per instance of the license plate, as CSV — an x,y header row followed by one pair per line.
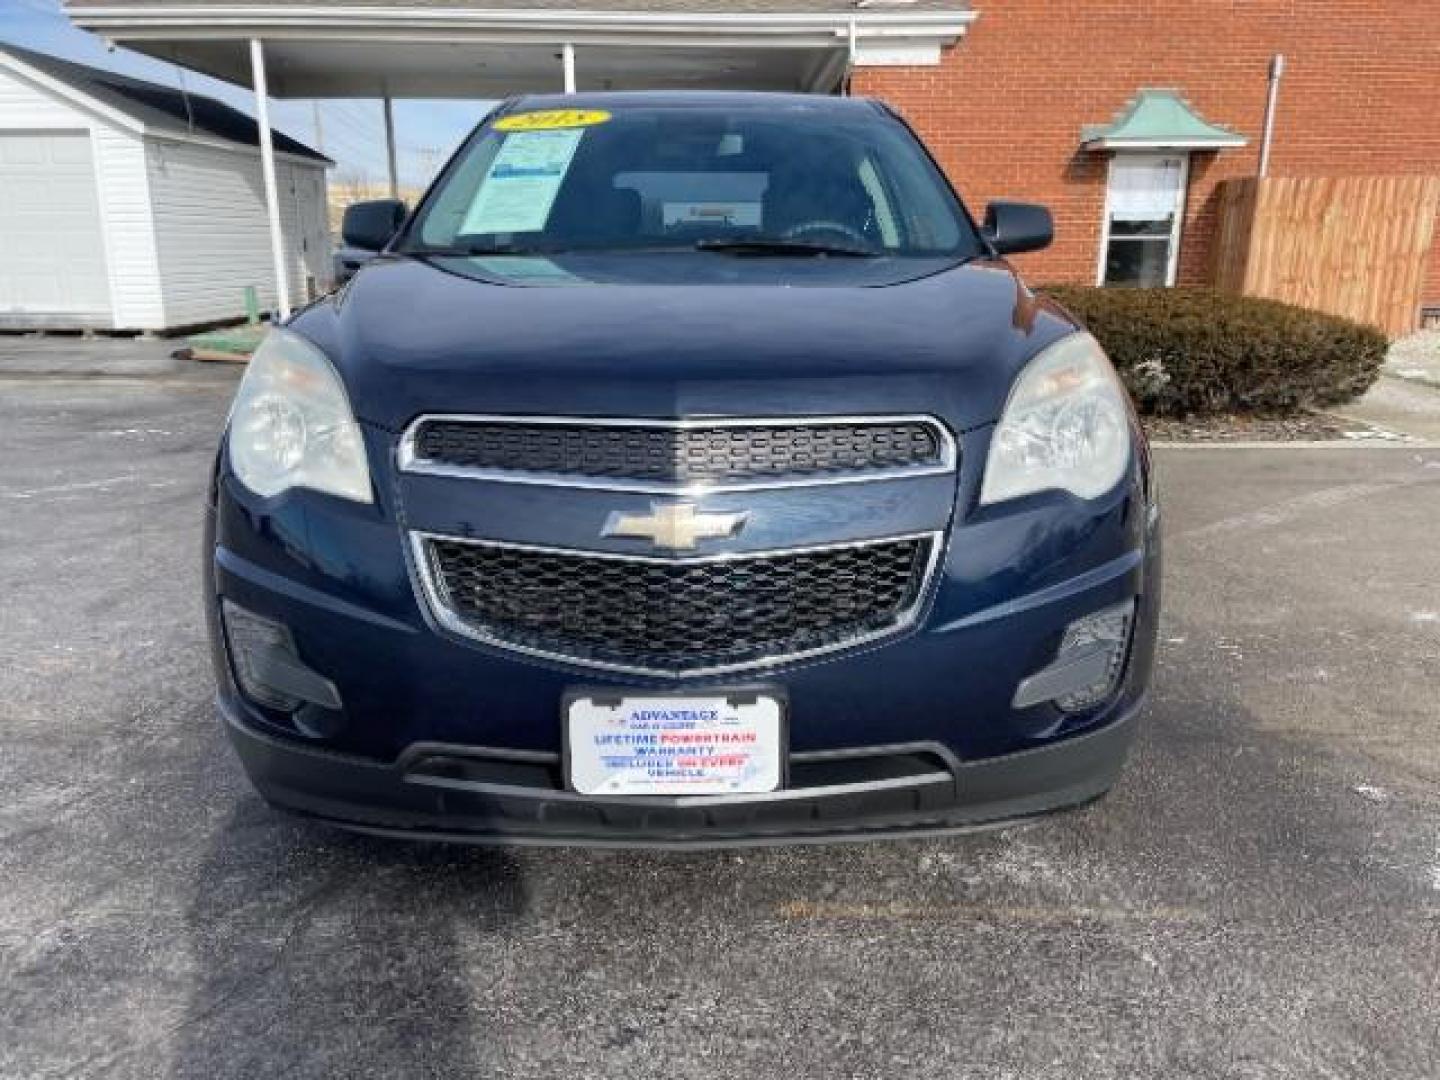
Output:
x,y
683,745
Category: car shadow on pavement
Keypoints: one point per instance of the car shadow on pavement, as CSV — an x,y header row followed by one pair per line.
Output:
x,y
320,953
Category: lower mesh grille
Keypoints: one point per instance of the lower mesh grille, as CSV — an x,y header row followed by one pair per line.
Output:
x,y
674,617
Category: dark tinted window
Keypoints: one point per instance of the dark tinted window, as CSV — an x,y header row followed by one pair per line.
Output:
x,y
663,177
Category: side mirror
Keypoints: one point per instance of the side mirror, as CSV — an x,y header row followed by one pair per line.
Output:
x,y
370,225
1012,227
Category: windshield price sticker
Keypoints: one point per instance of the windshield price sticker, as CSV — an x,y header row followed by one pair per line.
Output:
x,y
674,746
524,178
552,119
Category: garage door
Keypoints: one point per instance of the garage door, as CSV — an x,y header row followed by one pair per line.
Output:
x,y
52,253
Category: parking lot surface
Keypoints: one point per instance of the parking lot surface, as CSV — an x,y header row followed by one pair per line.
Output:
x,y
1260,896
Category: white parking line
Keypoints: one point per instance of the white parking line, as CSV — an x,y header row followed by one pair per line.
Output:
x,y
57,489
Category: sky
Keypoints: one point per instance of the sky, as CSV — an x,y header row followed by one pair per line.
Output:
x,y
352,131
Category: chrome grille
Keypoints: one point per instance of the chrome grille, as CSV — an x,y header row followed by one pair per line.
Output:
x,y
676,616
667,454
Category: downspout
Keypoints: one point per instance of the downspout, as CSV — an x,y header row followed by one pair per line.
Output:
x,y
1277,70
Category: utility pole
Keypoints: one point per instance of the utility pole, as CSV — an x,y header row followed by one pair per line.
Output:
x,y
319,126
389,109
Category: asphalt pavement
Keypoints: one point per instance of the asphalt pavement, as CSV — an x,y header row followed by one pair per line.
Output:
x,y
1259,897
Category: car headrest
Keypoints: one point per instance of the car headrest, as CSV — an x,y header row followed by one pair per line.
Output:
x,y
616,212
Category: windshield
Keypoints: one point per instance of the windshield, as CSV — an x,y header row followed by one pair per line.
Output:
x,y
785,180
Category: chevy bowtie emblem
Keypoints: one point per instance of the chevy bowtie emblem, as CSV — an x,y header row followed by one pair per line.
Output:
x,y
677,526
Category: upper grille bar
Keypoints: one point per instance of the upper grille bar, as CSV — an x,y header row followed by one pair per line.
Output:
x,y
675,456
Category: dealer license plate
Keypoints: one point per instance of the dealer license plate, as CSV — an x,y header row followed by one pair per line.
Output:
x,y
710,745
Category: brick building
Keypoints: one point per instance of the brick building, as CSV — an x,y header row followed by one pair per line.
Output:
x,y
1123,118
1005,106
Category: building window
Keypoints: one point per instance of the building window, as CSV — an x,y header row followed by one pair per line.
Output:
x,y
1144,205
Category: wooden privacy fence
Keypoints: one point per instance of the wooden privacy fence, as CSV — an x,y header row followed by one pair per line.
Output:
x,y
1353,246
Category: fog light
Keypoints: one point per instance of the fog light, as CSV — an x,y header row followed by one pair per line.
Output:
x,y
1088,664
267,667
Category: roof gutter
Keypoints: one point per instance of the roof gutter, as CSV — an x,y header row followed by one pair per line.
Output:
x,y
212,21
160,135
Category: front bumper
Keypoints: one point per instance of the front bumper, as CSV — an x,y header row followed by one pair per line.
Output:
x,y
469,794
456,739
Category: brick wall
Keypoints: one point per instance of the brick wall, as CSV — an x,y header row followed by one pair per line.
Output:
x,y
1361,95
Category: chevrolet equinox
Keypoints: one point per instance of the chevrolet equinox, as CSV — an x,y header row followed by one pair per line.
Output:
x,y
685,469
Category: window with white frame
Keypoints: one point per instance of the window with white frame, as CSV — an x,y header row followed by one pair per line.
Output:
x,y
1144,206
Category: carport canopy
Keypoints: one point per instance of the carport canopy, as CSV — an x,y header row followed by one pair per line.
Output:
x,y
462,49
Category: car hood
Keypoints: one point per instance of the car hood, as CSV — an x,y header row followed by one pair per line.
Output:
x,y
681,335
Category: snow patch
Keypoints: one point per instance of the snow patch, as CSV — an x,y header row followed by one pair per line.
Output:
x,y
1230,648
1375,433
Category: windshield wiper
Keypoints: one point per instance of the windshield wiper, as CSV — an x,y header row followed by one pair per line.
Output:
x,y
739,245
767,245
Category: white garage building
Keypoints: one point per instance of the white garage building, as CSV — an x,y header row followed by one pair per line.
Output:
x,y
127,205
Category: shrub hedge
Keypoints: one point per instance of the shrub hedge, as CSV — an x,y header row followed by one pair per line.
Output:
x,y
1188,351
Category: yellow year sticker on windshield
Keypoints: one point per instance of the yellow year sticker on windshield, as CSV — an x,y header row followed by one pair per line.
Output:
x,y
552,119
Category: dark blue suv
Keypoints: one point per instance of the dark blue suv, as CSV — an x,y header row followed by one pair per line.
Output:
x,y
686,469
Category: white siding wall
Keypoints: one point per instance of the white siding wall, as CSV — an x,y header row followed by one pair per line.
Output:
x,y
213,236
126,216
124,201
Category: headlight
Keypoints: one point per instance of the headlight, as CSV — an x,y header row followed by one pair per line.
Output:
x,y
291,424
1066,426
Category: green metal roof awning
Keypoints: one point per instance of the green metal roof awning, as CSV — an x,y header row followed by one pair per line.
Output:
x,y
1159,120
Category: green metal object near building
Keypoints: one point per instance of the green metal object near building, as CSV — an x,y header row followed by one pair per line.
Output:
x,y
230,343
1159,120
